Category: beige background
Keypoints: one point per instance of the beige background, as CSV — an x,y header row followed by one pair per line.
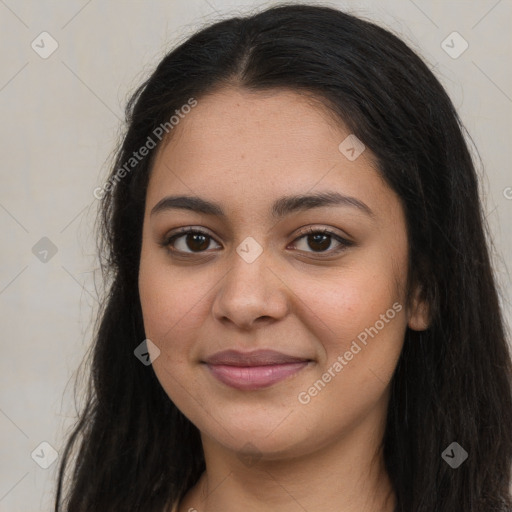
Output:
x,y
60,120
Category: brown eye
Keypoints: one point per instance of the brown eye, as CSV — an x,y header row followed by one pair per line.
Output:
x,y
320,241
189,241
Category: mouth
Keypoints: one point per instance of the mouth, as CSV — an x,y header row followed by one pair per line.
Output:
x,y
253,370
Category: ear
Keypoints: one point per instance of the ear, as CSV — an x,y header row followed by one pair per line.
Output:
x,y
419,312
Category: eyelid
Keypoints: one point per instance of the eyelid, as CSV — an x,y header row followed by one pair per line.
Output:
x,y
344,241
308,230
179,232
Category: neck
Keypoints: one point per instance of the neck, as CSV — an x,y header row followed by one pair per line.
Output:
x,y
347,475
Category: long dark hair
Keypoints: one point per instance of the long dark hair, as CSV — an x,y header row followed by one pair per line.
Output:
x,y
136,451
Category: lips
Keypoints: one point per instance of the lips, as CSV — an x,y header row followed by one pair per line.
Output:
x,y
253,370
255,358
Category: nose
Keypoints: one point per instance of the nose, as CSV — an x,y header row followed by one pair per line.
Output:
x,y
251,293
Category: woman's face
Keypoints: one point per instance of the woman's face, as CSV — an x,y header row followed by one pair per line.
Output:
x,y
321,284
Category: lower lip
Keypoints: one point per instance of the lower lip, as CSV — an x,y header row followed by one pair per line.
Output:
x,y
254,377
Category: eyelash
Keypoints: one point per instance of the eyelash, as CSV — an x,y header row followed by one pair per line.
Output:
x,y
344,243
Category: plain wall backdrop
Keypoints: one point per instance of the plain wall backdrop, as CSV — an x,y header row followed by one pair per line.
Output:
x,y
67,69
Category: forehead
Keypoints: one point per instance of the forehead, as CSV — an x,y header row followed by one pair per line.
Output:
x,y
247,148
235,122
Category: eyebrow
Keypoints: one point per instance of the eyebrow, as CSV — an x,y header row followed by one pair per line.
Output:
x,y
281,207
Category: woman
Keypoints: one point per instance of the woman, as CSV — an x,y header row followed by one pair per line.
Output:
x,y
302,312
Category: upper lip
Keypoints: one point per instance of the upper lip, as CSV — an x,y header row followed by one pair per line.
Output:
x,y
254,358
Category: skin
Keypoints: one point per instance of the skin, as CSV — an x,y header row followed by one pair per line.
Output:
x,y
265,448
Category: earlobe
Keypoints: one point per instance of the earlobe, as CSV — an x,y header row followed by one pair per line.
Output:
x,y
419,316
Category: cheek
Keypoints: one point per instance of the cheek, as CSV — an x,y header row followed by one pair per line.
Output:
x,y
173,311
171,302
360,323
341,307
358,316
